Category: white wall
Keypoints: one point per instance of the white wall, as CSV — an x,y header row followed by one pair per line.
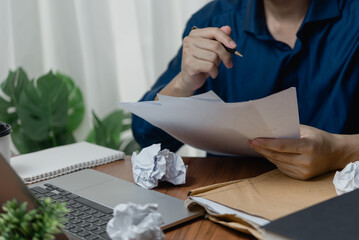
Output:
x,y
113,49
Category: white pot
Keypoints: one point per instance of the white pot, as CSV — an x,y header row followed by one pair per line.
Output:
x,y
5,131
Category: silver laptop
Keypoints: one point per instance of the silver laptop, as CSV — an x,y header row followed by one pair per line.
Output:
x,y
91,197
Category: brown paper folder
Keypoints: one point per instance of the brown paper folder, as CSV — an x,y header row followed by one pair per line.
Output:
x,y
270,196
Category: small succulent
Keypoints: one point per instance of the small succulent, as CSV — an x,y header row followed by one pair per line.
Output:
x,y
17,223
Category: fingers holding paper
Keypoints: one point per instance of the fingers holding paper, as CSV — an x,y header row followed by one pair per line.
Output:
x,y
314,153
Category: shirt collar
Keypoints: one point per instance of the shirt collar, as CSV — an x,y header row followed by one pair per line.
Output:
x,y
254,20
322,10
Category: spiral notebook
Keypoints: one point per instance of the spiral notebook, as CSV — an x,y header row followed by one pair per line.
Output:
x,y
53,162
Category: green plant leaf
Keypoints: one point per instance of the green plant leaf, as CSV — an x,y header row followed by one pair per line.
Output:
x,y
102,136
108,132
39,223
43,108
39,113
130,146
76,109
12,87
24,144
9,118
65,138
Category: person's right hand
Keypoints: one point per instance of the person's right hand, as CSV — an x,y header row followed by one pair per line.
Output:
x,y
202,53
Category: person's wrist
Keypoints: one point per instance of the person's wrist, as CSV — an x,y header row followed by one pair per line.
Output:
x,y
346,150
182,87
176,88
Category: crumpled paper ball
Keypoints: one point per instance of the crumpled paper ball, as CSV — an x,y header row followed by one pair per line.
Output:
x,y
152,165
348,179
135,222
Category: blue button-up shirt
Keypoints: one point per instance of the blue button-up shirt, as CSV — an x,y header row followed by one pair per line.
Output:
x,y
323,65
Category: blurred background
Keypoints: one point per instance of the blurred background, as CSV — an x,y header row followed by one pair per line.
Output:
x,y
114,50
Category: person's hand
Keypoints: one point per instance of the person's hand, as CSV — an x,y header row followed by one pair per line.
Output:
x,y
202,53
314,153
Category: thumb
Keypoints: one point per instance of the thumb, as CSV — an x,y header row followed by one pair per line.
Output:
x,y
227,30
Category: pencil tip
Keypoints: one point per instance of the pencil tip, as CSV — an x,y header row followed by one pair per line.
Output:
x,y
238,54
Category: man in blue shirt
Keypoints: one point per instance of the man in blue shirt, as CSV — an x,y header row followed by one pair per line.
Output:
x,y
312,45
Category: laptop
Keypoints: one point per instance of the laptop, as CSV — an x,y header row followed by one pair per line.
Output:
x,y
91,197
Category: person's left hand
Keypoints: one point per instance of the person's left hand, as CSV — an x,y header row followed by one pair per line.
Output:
x,y
314,153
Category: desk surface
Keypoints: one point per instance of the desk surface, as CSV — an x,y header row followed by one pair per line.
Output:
x,y
201,172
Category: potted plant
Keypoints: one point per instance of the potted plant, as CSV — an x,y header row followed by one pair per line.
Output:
x,y
19,223
45,112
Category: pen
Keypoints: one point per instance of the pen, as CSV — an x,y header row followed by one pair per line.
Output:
x,y
231,50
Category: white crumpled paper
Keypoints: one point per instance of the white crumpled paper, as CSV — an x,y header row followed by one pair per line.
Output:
x,y
152,165
348,179
135,222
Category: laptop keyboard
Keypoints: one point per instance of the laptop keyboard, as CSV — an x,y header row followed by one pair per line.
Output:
x,y
86,218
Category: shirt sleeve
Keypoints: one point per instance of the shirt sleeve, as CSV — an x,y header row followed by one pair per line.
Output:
x,y
145,133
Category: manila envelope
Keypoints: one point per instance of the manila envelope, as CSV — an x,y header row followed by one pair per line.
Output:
x,y
271,195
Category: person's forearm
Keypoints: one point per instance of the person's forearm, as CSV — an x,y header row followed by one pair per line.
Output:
x,y
175,88
349,149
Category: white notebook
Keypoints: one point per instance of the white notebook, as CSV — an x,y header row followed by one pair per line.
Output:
x,y
53,162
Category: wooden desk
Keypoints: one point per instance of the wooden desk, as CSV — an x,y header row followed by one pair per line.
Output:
x,y
201,172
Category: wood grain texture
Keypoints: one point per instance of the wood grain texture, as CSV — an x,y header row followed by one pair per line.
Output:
x,y
201,172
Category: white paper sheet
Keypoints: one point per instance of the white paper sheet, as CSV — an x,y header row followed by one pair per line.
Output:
x,y
209,96
347,180
152,165
206,122
134,221
222,209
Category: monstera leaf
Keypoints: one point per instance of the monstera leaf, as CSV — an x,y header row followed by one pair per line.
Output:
x,y
43,113
43,108
12,87
76,105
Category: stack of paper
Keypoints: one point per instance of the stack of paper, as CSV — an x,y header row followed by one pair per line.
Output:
x,y
206,122
250,204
